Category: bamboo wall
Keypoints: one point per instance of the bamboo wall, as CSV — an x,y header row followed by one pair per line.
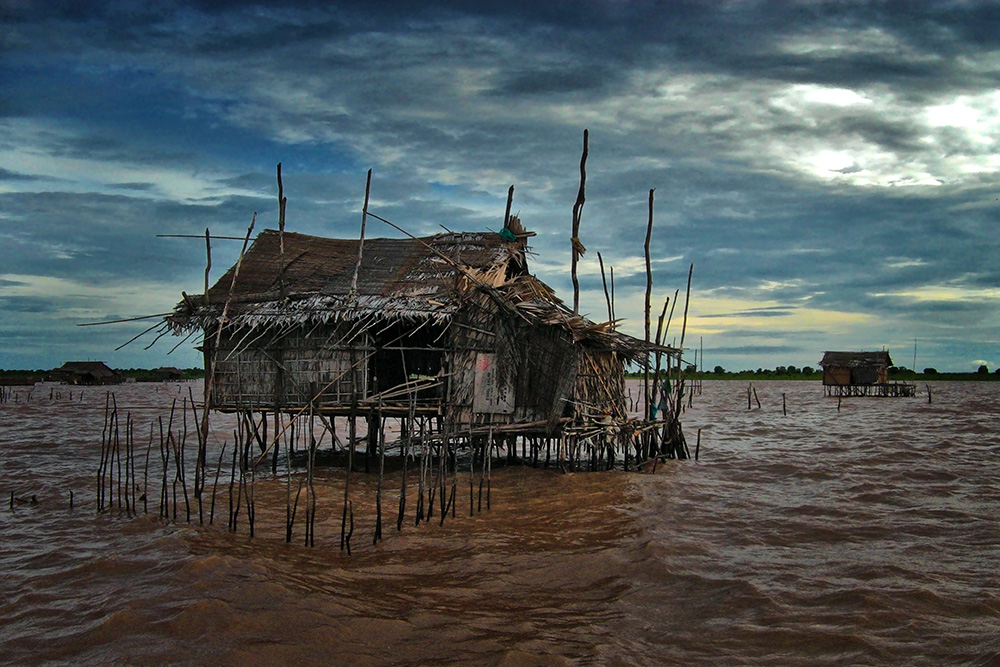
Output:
x,y
843,376
286,371
600,386
549,376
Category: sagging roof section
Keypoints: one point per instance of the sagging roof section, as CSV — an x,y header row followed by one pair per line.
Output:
x,y
409,280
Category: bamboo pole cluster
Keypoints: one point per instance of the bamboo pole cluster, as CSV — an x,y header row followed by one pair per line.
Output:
x,y
116,474
8,394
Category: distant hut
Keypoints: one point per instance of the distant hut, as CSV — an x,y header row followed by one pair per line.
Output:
x,y
449,327
860,374
167,374
87,373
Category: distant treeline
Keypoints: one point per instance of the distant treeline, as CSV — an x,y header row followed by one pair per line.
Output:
x,y
896,374
156,374
139,374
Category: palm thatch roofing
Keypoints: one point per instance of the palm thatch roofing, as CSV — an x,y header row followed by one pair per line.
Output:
x,y
879,359
98,369
287,279
93,372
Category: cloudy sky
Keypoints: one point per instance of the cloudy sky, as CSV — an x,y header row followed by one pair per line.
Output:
x,y
830,168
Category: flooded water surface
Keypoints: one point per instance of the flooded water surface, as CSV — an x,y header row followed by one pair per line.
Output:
x,y
863,533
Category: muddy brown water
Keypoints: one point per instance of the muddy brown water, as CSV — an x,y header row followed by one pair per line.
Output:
x,y
866,535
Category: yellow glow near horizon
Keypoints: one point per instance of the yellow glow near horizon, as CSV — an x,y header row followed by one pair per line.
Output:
x,y
712,315
944,293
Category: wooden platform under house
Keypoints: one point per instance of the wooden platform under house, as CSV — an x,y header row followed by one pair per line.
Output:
x,y
850,374
447,335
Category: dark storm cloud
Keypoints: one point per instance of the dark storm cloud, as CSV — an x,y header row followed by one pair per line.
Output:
x,y
569,78
27,305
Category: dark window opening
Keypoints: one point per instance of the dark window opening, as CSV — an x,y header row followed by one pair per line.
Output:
x,y
405,353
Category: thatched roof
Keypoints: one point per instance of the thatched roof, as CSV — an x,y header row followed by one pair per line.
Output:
x,y
390,268
397,279
879,359
409,279
96,369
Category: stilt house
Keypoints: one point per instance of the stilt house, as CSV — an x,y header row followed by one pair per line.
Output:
x,y
860,374
846,368
87,372
450,325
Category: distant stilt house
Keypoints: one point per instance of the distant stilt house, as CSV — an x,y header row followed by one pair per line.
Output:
x,y
449,331
167,374
861,374
87,373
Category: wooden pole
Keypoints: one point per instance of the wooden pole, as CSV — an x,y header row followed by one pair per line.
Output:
x,y
407,441
659,357
680,354
345,536
234,507
311,524
607,295
510,200
210,371
101,468
201,463
612,276
361,243
687,302
649,289
282,200
289,516
208,261
145,473
381,474
578,248
215,487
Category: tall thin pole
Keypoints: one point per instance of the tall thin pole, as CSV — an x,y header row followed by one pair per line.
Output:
x,y
510,200
208,263
282,200
687,301
212,362
361,244
612,276
649,289
607,296
578,248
